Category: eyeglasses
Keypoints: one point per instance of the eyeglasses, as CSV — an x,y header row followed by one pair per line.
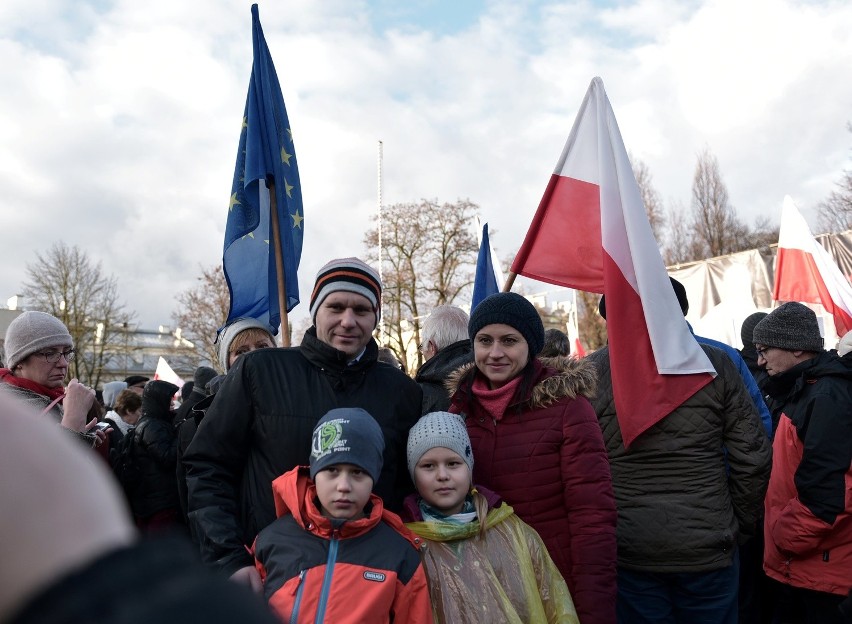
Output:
x,y
423,347
762,351
52,357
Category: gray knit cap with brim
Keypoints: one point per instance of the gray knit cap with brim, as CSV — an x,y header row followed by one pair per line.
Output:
x,y
438,429
33,331
791,326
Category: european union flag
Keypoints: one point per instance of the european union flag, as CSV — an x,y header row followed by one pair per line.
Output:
x,y
266,154
485,280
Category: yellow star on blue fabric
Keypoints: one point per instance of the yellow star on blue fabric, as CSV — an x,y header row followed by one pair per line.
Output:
x,y
297,220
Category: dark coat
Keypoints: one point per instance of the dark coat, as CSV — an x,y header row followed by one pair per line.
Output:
x,y
434,373
259,427
546,458
681,506
156,448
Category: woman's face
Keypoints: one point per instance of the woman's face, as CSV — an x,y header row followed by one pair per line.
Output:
x,y
259,342
131,418
37,368
500,353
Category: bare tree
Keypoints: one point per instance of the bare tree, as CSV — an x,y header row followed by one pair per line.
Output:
x,y
203,309
835,212
650,197
714,220
679,246
66,284
428,257
590,323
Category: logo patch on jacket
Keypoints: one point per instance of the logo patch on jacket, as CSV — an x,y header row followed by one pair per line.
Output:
x,y
378,577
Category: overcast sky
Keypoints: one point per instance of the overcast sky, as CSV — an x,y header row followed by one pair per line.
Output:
x,y
120,119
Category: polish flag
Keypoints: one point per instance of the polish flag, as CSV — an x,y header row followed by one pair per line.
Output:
x,y
805,271
591,232
165,372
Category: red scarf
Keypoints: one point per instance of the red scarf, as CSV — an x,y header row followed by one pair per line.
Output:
x,y
496,401
52,393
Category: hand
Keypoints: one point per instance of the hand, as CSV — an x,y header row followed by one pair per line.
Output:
x,y
76,405
249,576
100,434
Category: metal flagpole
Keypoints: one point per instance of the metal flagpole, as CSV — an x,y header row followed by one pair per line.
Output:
x,y
382,316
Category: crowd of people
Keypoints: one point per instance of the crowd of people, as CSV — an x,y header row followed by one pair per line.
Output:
x,y
325,483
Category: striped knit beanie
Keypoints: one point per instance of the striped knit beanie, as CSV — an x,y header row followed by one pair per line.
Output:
x,y
349,275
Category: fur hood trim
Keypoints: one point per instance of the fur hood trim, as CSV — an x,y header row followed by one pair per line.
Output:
x,y
562,377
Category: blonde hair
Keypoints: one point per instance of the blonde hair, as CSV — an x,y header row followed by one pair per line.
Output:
x,y
480,503
247,336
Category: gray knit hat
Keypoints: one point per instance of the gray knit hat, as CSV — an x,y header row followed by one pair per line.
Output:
x,y
791,326
111,392
438,429
511,309
348,435
349,275
229,332
747,329
33,331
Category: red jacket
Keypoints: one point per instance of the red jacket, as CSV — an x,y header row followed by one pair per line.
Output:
x,y
809,502
365,570
546,458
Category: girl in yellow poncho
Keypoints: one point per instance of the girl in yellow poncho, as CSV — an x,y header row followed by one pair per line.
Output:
x,y
483,563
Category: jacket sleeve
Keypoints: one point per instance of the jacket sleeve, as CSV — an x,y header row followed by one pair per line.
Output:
x,y
749,453
214,463
590,512
411,604
820,477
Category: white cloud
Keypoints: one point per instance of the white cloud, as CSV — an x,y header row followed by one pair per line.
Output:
x,y
119,126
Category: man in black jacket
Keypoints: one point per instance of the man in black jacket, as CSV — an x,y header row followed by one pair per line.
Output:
x,y
260,423
445,347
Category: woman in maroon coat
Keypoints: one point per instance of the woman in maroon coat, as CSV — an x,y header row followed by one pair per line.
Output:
x,y
538,444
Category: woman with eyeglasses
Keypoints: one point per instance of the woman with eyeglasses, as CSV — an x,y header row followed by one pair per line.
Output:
x,y
38,350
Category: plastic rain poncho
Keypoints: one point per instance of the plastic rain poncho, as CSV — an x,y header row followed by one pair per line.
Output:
x,y
507,576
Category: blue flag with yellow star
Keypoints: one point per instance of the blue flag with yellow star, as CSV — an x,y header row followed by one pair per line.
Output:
x,y
485,279
265,155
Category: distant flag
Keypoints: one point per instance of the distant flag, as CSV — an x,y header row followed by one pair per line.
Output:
x,y
485,281
591,232
805,271
579,351
165,372
266,152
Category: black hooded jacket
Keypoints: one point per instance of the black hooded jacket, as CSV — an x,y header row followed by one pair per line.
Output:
x,y
436,370
259,427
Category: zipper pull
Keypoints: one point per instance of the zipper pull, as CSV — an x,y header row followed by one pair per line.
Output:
x,y
301,578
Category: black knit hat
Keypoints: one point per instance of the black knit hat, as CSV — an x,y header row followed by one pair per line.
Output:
x,y
791,326
679,290
348,435
511,309
747,329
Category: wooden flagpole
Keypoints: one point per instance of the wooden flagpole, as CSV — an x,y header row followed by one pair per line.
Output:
x,y
279,265
510,281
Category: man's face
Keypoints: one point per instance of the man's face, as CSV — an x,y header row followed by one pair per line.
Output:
x,y
346,321
776,360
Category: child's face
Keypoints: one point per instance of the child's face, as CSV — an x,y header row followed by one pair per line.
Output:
x,y
442,479
343,491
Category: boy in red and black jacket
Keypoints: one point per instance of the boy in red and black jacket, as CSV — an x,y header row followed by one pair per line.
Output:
x,y
335,554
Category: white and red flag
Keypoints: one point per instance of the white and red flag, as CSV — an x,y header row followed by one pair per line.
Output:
x,y
805,271
165,372
591,232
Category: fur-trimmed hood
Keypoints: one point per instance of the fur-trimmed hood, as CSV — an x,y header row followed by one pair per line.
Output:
x,y
557,377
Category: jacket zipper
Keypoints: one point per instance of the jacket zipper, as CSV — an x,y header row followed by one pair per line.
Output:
x,y
294,616
329,572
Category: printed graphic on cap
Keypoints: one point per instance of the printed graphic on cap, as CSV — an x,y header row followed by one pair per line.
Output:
x,y
328,438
